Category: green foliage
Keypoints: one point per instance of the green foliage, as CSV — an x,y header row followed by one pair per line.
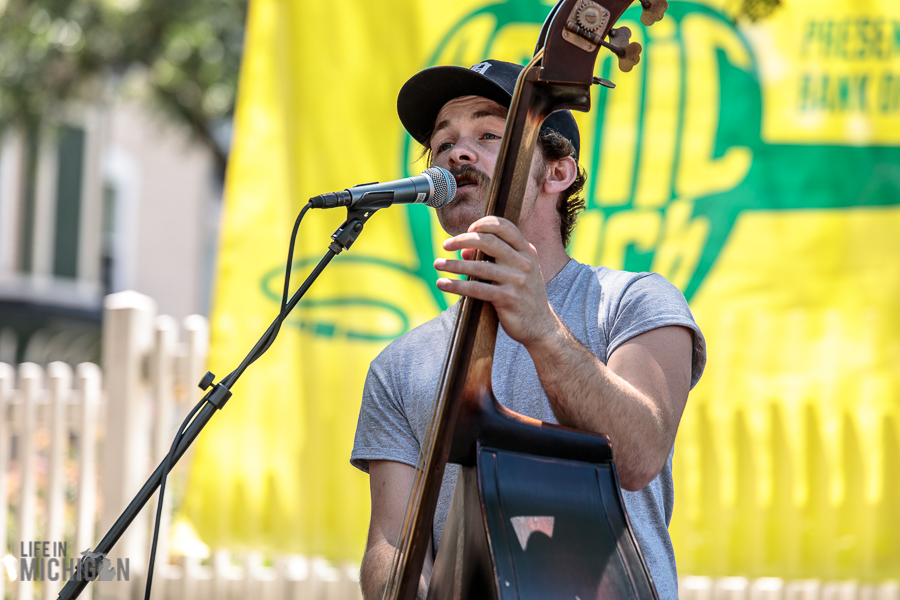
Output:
x,y
751,10
755,10
53,51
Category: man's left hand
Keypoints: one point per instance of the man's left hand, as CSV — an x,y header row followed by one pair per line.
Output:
x,y
513,283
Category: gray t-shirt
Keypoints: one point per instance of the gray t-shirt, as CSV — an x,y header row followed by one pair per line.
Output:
x,y
603,308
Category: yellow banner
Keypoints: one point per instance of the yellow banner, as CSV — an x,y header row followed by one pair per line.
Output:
x,y
755,166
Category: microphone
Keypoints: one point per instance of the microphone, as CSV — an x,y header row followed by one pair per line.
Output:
x,y
435,187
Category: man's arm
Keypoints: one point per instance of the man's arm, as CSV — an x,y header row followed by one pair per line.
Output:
x,y
389,485
637,399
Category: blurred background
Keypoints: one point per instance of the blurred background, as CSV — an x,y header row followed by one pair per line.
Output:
x,y
753,158
116,120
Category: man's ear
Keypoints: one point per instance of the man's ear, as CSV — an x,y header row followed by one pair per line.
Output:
x,y
560,175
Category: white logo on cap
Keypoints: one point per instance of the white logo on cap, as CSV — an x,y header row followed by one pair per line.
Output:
x,y
481,67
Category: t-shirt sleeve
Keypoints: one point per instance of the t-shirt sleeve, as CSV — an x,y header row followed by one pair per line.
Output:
x,y
648,302
383,431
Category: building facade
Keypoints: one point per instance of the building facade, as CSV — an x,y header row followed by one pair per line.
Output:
x,y
100,200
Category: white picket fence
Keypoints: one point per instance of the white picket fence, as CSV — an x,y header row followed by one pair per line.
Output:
x,y
773,588
35,409
76,445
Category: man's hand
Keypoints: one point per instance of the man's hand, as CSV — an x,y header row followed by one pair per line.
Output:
x,y
636,399
513,283
389,485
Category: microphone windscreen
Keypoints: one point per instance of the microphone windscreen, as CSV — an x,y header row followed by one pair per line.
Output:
x,y
444,186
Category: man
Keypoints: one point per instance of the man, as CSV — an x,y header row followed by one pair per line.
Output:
x,y
600,350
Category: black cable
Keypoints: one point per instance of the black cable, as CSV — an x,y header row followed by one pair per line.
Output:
x,y
269,337
261,347
162,491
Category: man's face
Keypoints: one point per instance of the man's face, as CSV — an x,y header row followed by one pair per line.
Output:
x,y
466,141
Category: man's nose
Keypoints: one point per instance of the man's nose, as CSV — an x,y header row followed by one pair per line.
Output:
x,y
462,153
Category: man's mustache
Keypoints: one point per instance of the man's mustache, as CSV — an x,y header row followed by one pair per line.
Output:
x,y
467,173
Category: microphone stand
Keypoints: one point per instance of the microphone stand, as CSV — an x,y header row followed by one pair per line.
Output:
x,y
214,400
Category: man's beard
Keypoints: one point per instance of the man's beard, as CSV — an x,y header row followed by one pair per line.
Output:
x,y
468,204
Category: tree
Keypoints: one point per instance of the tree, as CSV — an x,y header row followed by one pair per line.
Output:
x,y
55,51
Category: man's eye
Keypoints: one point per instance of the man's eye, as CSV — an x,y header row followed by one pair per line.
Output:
x,y
444,147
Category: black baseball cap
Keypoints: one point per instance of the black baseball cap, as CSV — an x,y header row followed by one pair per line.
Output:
x,y
422,97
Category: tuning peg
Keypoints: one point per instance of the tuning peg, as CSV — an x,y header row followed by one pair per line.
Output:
x,y
619,37
629,53
629,57
653,11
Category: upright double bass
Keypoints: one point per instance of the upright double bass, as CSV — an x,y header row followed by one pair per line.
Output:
x,y
537,511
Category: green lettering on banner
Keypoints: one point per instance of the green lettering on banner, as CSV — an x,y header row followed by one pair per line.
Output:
x,y
714,161
674,153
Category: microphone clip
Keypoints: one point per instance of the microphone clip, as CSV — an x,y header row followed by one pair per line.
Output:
x,y
346,234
